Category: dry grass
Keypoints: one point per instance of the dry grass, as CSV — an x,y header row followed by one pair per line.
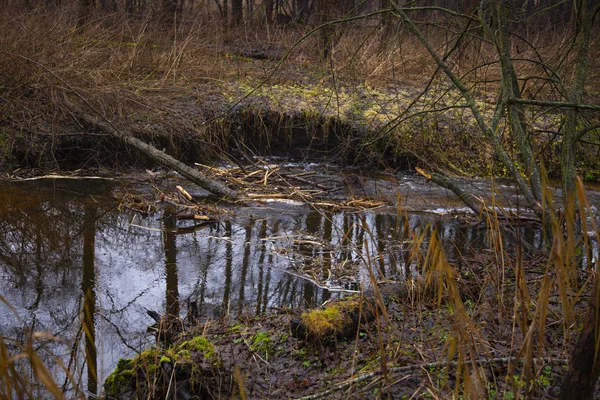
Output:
x,y
23,372
164,82
509,316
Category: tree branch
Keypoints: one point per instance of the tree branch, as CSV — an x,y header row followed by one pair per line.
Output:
x,y
581,133
489,134
451,185
556,104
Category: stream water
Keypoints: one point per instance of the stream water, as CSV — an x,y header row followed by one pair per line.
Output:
x,y
69,255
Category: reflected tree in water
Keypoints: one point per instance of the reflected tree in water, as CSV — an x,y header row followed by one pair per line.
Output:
x,y
88,289
172,282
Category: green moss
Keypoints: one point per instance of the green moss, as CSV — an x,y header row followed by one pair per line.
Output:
x,y
147,356
124,364
184,355
148,361
152,369
262,344
200,344
323,321
165,359
331,319
120,379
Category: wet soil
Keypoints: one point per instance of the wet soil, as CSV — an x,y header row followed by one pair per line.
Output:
x,y
403,353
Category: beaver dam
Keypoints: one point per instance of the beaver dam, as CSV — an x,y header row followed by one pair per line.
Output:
x,y
91,261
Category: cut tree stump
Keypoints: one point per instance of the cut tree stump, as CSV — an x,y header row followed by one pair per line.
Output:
x,y
156,155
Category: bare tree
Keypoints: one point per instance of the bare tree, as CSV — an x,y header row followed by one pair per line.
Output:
x,y
510,105
86,8
269,11
237,12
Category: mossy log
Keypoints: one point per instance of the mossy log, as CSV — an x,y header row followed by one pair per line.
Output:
x,y
342,318
338,320
153,153
191,369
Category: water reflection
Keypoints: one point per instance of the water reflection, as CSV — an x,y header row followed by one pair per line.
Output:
x,y
70,262
88,291
172,282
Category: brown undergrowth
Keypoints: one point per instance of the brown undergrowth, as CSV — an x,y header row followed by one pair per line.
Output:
x,y
196,90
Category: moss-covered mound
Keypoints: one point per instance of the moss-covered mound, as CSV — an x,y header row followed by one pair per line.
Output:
x,y
339,319
192,367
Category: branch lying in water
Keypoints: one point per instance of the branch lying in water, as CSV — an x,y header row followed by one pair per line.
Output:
x,y
451,185
156,155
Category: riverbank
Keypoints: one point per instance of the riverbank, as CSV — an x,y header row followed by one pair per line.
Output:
x,y
241,276
402,341
206,95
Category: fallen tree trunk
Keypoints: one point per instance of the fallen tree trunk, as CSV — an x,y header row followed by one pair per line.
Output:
x,y
156,155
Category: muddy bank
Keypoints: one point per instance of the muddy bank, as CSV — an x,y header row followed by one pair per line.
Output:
x,y
358,125
400,350
213,122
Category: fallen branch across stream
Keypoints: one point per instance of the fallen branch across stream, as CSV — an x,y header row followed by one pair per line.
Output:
x,y
156,155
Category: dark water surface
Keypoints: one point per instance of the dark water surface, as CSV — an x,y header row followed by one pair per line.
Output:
x,y
68,255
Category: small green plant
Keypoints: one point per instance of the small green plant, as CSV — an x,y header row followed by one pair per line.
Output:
x,y
237,328
519,381
543,381
262,344
545,377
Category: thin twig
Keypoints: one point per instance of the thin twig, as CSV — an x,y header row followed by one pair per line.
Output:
x,y
427,366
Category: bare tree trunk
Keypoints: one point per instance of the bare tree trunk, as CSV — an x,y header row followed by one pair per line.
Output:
x,y
511,90
387,33
85,11
237,12
249,8
570,139
324,14
584,368
169,10
303,10
488,130
269,11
